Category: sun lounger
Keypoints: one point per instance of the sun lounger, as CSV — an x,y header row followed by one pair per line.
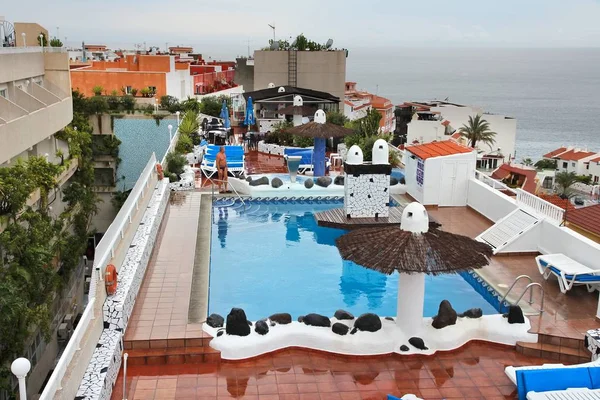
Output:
x,y
235,160
306,162
569,394
545,380
511,372
568,271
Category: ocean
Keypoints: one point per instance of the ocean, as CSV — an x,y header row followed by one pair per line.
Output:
x,y
553,93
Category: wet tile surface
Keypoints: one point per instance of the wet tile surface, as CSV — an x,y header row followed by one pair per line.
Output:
x,y
474,372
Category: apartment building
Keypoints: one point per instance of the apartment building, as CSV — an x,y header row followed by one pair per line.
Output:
x,y
36,103
358,102
579,161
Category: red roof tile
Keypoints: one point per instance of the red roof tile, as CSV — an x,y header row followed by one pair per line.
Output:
x,y
456,135
587,218
528,176
595,160
438,149
565,204
556,152
573,155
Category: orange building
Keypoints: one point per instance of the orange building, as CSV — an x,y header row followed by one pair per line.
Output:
x,y
358,102
160,73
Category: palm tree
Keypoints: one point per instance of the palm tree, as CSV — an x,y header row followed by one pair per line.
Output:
x,y
478,130
189,123
565,180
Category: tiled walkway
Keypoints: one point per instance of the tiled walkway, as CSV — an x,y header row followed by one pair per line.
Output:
x,y
161,309
474,372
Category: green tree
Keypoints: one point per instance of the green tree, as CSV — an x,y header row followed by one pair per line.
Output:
x,y
212,105
545,164
43,40
564,180
527,161
55,42
170,103
337,118
368,125
478,130
585,179
190,104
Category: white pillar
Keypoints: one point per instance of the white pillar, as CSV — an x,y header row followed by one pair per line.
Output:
x,y
20,368
297,120
411,297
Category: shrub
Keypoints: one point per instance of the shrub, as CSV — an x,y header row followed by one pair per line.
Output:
x,y
97,90
123,90
145,92
114,92
128,102
170,103
134,92
300,141
113,102
175,163
184,144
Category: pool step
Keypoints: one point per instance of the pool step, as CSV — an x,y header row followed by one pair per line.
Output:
x,y
173,356
560,349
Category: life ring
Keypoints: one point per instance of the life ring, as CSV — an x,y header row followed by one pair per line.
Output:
x,y
159,170
110,279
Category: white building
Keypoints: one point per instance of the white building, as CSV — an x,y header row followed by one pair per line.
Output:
x,y
438,120
595,170
438,173
354,110
569,159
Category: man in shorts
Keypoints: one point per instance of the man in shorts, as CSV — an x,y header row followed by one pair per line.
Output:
x,y
222,171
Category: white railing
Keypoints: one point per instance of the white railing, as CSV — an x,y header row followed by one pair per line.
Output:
x,y
32,49
54,383
170,149
104,252
540,205
493,183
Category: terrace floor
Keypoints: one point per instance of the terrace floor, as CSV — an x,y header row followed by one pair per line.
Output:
x,y
475,371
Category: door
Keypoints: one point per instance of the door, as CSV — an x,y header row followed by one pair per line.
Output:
x,y
447,184
454,185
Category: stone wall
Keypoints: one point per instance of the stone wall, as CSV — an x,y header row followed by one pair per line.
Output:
x,y
101,372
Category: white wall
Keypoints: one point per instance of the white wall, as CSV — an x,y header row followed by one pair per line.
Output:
x,y
595,171
557,239
489,202
425,131
527,242
179,84
506,134
410,176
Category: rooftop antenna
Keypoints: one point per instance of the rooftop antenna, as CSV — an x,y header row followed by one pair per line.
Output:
x,y
248,48
272,27
329,44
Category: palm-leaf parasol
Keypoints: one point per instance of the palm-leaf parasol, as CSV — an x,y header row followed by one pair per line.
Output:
x,y
320,130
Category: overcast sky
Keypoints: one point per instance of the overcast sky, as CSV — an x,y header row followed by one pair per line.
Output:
x,y
224,27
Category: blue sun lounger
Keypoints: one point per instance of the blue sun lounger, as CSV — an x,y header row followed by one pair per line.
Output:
x,y
557,379
568,271
235,160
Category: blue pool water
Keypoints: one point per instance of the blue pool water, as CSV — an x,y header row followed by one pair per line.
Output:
x,y
269,257
139,138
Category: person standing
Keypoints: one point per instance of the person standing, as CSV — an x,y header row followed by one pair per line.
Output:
x,y
222,170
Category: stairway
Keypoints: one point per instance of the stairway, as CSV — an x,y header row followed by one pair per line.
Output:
x,y
560,349
171,351
508,229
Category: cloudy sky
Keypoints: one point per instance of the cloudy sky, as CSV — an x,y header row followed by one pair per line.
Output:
x,y
224,27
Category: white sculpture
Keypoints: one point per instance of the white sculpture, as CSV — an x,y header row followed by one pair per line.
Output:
x,y
381,152
271,85
298,100
320,117
355,155
414,218
281,89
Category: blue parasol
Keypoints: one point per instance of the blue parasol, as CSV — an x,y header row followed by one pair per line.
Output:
x,y
225,115
249,119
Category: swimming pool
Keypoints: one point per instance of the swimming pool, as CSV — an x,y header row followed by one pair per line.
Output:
x,y
270,256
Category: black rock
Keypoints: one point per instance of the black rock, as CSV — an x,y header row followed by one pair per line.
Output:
x,y
261,328
260,181
249,323
341,314
353,331
368,322
220,333
309,183
272,323
237,323
215,321
339,180
276,182
404,348
301,318
281,318
418,343
390,319
472,313
340,328
249,179
323,181
515,315
446,316
393,181
402,181
316,320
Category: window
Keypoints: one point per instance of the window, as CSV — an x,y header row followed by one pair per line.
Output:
x,y
565,164
572,164
420,172
128,90
596,179
3,93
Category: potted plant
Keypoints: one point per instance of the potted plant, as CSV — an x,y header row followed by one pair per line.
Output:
x,y
97,90
114,92
123,90
134,92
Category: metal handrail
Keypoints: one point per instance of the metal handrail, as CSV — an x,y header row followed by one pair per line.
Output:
x,y
228,186
518,278
529,287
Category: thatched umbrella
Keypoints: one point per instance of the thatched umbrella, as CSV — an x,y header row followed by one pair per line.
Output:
x,y
320,130
414,252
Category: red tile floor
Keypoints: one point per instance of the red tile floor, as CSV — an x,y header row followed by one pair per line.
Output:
x,y
475,371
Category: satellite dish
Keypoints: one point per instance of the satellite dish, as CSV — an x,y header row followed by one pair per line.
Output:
x,y
8,37
329,44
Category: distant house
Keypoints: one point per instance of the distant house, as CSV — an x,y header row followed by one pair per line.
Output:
x,y
595,170
569,159
586,221
357,103
558,201
519,176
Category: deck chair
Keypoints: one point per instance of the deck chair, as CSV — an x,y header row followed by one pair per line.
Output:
x,y
569,394
306,162
511,372
545,380
235,160
568,271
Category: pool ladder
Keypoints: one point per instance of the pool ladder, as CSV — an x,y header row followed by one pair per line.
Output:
x,y
228,186
529,287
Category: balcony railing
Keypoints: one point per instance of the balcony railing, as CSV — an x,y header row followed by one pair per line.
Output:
x,y
540,205
32,49
493,183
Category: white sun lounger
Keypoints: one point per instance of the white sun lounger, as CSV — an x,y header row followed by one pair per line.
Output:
x,y
511,371
568,271
569,394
